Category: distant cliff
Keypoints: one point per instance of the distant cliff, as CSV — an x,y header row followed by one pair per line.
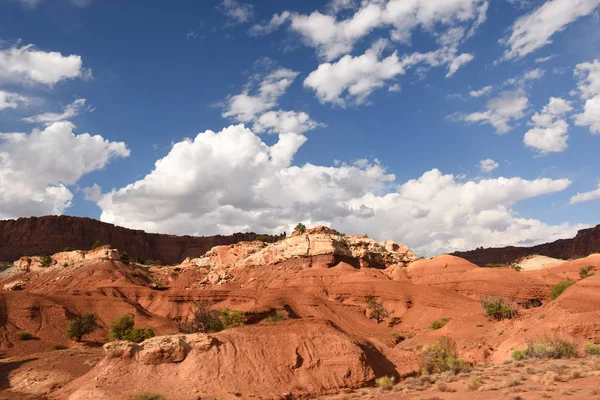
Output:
x,y
587,241
51,234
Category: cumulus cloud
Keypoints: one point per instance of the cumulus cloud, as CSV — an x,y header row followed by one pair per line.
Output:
x,y
534,30
236,11
586,196
29,65
232,181
255,104
332,37
500,111
550,132
36,168
488,165
272,25
481,92
48,118
355,78
11,100
589,87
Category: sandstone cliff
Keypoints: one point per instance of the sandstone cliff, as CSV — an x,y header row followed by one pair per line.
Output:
x,y
51,234
586,242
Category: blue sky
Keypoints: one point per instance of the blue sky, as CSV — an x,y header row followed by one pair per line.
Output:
x,y
445,125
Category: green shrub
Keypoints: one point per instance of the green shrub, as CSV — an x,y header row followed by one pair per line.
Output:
x,y
46,261
24,336
278,316
262,238
560,287
59,347
386,382
300,227
231,318
586,272
81,326
124,257
67,249
516,267
378,312
439,323
591,349
96,244
519,355
554,348
204,320
442,356
398,338
498,309
122,329
148,396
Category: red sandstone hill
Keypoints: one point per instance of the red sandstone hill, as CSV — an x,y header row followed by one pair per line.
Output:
x,y
51,234
586,242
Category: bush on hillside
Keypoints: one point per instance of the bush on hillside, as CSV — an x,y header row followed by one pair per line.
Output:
x,y
300,227
24,336
442,356
81,326
96,244
591,349
386,382
498,308
439,323
122,329
560,287
231,318
550,348
45,261
377,311
586,272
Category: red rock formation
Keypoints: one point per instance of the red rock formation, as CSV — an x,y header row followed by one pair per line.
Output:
x,y
51,234
586,242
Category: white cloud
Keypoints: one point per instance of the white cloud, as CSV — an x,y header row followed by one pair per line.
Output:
x,y
591,115
550,133
232,181
500,111
29,65
586,196
488,165
11,100
395,88
257,108
92,193
534,30
236,11
481,92
272,25
332,37
588,75
523,81
48,118
36,168
355,78
544,59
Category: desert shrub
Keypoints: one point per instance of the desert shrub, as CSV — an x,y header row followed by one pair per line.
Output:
x,y
278,316
498,308
45,261
439,323
59,347
386,382
204,320
516,267
121,328
262,238
378,312
24,336
300,227
231,318
586,272
124,257
96,244
67,249
496,265
554,348
560,287
519,355
398,338
591,349
148,396
442,356
81,326
473,383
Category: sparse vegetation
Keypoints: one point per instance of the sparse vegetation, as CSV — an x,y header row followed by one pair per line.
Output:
x,y
378,312
46,261
81,326
67,249
398,338
66,265
519,355
498,308
124,257
148,396
204,320
59,347
231,318
25,336
386,382
591,349
262,238
439,323
547,348
300,227
122,329
473,383
560,287
278,316
586,272
442,356
96,244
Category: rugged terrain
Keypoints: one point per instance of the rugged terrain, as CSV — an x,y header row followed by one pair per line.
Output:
x,y
325,315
